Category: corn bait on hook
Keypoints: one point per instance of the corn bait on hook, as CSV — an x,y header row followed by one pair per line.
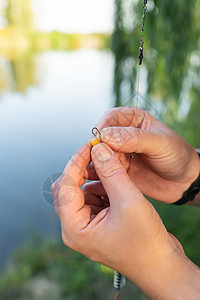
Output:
x,y
97,139
119,283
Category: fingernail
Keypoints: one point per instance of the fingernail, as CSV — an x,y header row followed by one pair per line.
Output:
x,y
140,118
102,152
111,135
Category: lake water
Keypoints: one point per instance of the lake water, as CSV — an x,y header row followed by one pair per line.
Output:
x,y
41,128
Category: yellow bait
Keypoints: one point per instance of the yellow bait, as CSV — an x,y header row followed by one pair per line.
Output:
x,y
94,142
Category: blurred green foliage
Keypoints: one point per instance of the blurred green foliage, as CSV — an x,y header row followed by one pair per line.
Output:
x,y
171,61
18,13
171,56
58,273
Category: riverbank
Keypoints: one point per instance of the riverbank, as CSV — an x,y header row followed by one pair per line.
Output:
x,y
14,40
46,269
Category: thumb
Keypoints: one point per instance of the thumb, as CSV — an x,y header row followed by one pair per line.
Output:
x,y
112,174
130,139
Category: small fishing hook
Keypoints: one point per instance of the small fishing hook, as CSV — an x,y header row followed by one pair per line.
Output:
x,y
96,132
97,139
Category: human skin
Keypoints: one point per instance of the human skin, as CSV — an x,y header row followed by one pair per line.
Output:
x,y
164,165
120,228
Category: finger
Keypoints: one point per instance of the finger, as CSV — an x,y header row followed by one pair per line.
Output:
x,y
96,188
113,176
122,116
90,173
78,164
95,210
91,199
95,194
68,196
130,139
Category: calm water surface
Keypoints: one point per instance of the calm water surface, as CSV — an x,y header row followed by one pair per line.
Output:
x,y
41,129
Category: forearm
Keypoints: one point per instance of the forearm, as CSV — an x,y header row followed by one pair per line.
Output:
x,y
172,279
183,282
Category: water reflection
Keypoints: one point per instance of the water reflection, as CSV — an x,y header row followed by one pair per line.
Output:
x,y
18,73
46,113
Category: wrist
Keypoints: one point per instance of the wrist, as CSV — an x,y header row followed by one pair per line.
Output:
x,y
192,189
182,282
153,270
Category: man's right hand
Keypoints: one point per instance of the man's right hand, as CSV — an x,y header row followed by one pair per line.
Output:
x,y
164,164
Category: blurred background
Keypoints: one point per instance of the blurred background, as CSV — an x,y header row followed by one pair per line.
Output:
x,y
62,64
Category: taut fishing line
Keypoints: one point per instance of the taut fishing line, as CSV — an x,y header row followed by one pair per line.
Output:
x,y
141,56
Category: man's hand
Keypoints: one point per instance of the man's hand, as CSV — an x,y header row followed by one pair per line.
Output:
x,y
165,165
114,224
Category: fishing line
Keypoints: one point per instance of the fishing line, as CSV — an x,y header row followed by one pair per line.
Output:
x,y
119,279
141,56
137,98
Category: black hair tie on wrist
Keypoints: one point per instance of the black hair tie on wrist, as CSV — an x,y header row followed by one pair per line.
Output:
x,y
191,193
